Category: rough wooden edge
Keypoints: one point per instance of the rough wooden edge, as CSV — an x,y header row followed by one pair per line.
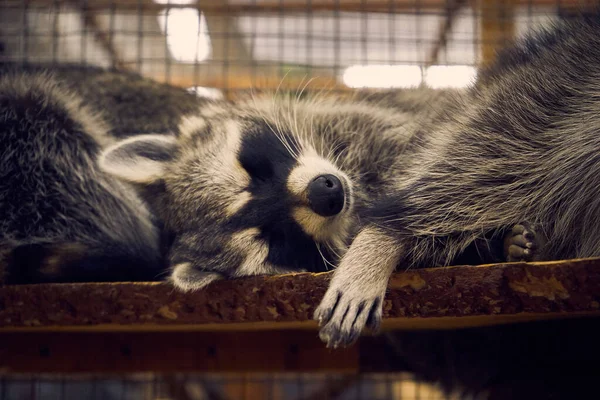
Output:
x,y
438,298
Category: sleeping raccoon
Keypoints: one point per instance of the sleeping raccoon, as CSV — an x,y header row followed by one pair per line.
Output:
x,y
523,148
62,219
273,184
310,239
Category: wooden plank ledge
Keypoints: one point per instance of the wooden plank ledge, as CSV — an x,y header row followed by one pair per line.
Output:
x,y
440,298
263,324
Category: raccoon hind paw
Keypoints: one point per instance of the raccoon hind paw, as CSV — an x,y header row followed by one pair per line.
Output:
x,y
523,243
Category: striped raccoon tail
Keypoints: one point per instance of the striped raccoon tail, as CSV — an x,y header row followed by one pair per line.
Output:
x,y
50,262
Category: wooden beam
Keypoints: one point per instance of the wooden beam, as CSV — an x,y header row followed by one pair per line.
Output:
x,y
298,6
167,352
246,82
440,298
226,38
497,27
105,39
452,10
295,351
263,324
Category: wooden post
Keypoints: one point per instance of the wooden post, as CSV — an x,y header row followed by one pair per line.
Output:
x,y
497,27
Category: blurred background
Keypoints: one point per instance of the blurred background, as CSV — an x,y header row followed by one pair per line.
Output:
x,y
219,49
310,386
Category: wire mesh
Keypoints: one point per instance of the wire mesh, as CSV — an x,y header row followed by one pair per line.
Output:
x,y
242,44
221,48
218,387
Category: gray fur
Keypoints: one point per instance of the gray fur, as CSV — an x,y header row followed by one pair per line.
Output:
x,y
62,218
201,190
524,147
432,178
130,104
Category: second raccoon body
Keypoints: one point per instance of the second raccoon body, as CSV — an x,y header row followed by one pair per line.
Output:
x,y
524,147
62,218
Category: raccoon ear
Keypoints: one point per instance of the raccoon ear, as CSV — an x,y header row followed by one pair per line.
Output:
x,y
140,159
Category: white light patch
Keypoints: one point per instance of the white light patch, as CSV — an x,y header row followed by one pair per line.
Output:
x,y
450,76
175,2
382,76
187,34
210,93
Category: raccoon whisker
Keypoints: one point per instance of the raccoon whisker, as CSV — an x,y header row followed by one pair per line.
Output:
x,y
299,91
320,149
306,132
300,88
287,144
339,128
320,94
356,176
327,130
336,162
330,153
337,157
163,273
304,87
279,132
284,142
291,120
332,157
280,83
333,250
325,261
296,92
253,96
295,118
312,133
276,131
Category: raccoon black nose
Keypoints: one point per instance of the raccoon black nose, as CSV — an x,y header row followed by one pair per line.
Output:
x,y
326,195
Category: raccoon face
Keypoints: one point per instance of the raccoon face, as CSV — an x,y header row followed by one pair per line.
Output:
x,y
243,195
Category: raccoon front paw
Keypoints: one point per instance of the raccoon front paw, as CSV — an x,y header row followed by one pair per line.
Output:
x,y
187,278
523,243
343,314
355,295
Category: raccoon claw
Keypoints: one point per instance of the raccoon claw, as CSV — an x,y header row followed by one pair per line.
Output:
x,y
322,313
522,243
342,317
375,317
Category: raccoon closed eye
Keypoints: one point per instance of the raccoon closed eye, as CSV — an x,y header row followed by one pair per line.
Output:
x,y
257,167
